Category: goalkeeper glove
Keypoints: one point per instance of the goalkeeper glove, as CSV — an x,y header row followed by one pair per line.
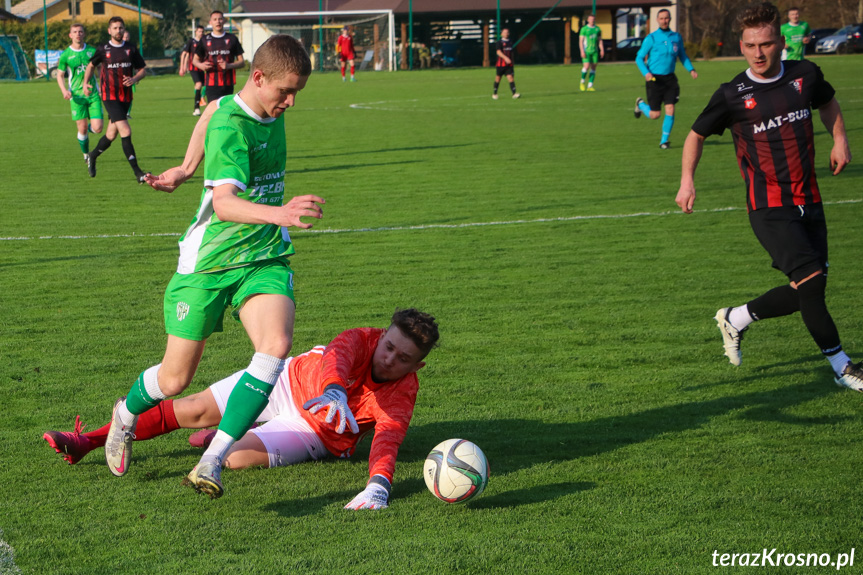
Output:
x,y
336,399
374,496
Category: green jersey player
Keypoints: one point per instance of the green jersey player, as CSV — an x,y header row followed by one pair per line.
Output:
x,y
234,253
590,46
86,110
797,34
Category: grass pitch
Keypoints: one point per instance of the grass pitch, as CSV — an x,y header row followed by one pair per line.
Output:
x,y
578,347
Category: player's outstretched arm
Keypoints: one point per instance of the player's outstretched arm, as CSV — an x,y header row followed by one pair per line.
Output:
x,y
692,149
171,179
376,495
831,116
335,399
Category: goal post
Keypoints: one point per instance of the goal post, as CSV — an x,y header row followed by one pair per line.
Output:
x,y
373,32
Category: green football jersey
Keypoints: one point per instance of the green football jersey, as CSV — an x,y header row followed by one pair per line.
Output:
x,y
794,35
590,36
73,63
248,151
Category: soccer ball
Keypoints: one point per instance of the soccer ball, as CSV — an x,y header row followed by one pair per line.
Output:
x,y
456,470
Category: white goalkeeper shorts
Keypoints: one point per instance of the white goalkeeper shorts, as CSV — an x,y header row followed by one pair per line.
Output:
x,y
286,436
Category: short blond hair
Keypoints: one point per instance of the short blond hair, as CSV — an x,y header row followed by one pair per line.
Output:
x,y
282,54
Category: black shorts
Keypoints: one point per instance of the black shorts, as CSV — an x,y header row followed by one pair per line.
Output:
x,y
117,110
662,89
197,76
216,92
795,237
504,71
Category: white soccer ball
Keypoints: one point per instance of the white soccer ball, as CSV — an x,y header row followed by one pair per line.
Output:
x,y
456,470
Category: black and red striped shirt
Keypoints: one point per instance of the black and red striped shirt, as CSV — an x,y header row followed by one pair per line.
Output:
x,y
212,49
771,124
190,47
505,45
117,62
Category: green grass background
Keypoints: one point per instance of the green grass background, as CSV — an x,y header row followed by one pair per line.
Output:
x,y
578,345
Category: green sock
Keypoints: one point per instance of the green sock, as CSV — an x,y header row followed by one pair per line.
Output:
x,y
583,74
591,76
245,404
138,400
85,143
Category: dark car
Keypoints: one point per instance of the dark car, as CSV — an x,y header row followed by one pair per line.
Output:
x,y
818,34
846,40
628,49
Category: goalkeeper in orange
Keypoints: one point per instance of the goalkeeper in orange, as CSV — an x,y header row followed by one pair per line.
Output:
x,y
325,401
345,48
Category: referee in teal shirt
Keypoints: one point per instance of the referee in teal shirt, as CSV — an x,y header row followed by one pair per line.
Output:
x,y
656,60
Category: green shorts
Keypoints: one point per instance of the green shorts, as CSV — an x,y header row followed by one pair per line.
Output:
x,y
591,57
195,303
84,107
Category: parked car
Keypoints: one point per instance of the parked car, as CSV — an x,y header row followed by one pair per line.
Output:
x,y
818,34
848,39
628,49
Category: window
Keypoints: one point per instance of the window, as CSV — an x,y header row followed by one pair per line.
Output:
x,y
98,8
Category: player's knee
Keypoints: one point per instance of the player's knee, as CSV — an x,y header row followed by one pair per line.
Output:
x,y
195,412
654,115
277,346
173,384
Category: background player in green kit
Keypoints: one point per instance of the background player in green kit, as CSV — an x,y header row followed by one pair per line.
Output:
x,y
797,34
86,110
590,45
234,253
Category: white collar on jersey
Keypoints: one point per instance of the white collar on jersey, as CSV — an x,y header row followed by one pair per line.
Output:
x,y
111,42
84,47
767,80
249,111
214,36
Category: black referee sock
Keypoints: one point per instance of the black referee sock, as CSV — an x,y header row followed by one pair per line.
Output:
x,y
813,309
129,151
197,98
780,301
104,144
496,84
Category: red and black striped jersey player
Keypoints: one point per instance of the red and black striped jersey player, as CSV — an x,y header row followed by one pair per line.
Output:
x,y
186,56
505,51
218,55
768,109
122,68
325,401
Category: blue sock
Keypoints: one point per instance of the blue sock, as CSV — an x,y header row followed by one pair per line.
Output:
x,y
667,124
644,108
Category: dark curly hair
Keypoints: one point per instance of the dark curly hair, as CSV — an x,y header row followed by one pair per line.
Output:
x,y
419,327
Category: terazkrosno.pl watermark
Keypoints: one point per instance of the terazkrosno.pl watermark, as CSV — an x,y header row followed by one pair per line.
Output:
x,y
774,558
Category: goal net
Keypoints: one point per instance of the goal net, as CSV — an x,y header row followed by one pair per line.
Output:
x,y
13,63
373,32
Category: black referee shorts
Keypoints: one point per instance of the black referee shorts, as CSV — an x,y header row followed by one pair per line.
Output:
x,y
795,237
662,89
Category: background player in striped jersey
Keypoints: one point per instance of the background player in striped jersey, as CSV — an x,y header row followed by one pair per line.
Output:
x,y
233,254
366,376
590,46
86,110
505,54
121,68
218,55
345,48
186,66
768,110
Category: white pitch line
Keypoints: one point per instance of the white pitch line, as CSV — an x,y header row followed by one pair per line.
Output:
x,y
421,226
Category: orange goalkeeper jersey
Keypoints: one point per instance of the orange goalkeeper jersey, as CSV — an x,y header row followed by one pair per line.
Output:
x,y
385,408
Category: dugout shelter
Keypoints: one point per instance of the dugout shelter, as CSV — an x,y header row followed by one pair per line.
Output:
x,y
463,33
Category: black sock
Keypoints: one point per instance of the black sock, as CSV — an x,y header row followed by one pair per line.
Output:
x,y
813,309
129,151
104,144
197,98
778,302
496,84
512,87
